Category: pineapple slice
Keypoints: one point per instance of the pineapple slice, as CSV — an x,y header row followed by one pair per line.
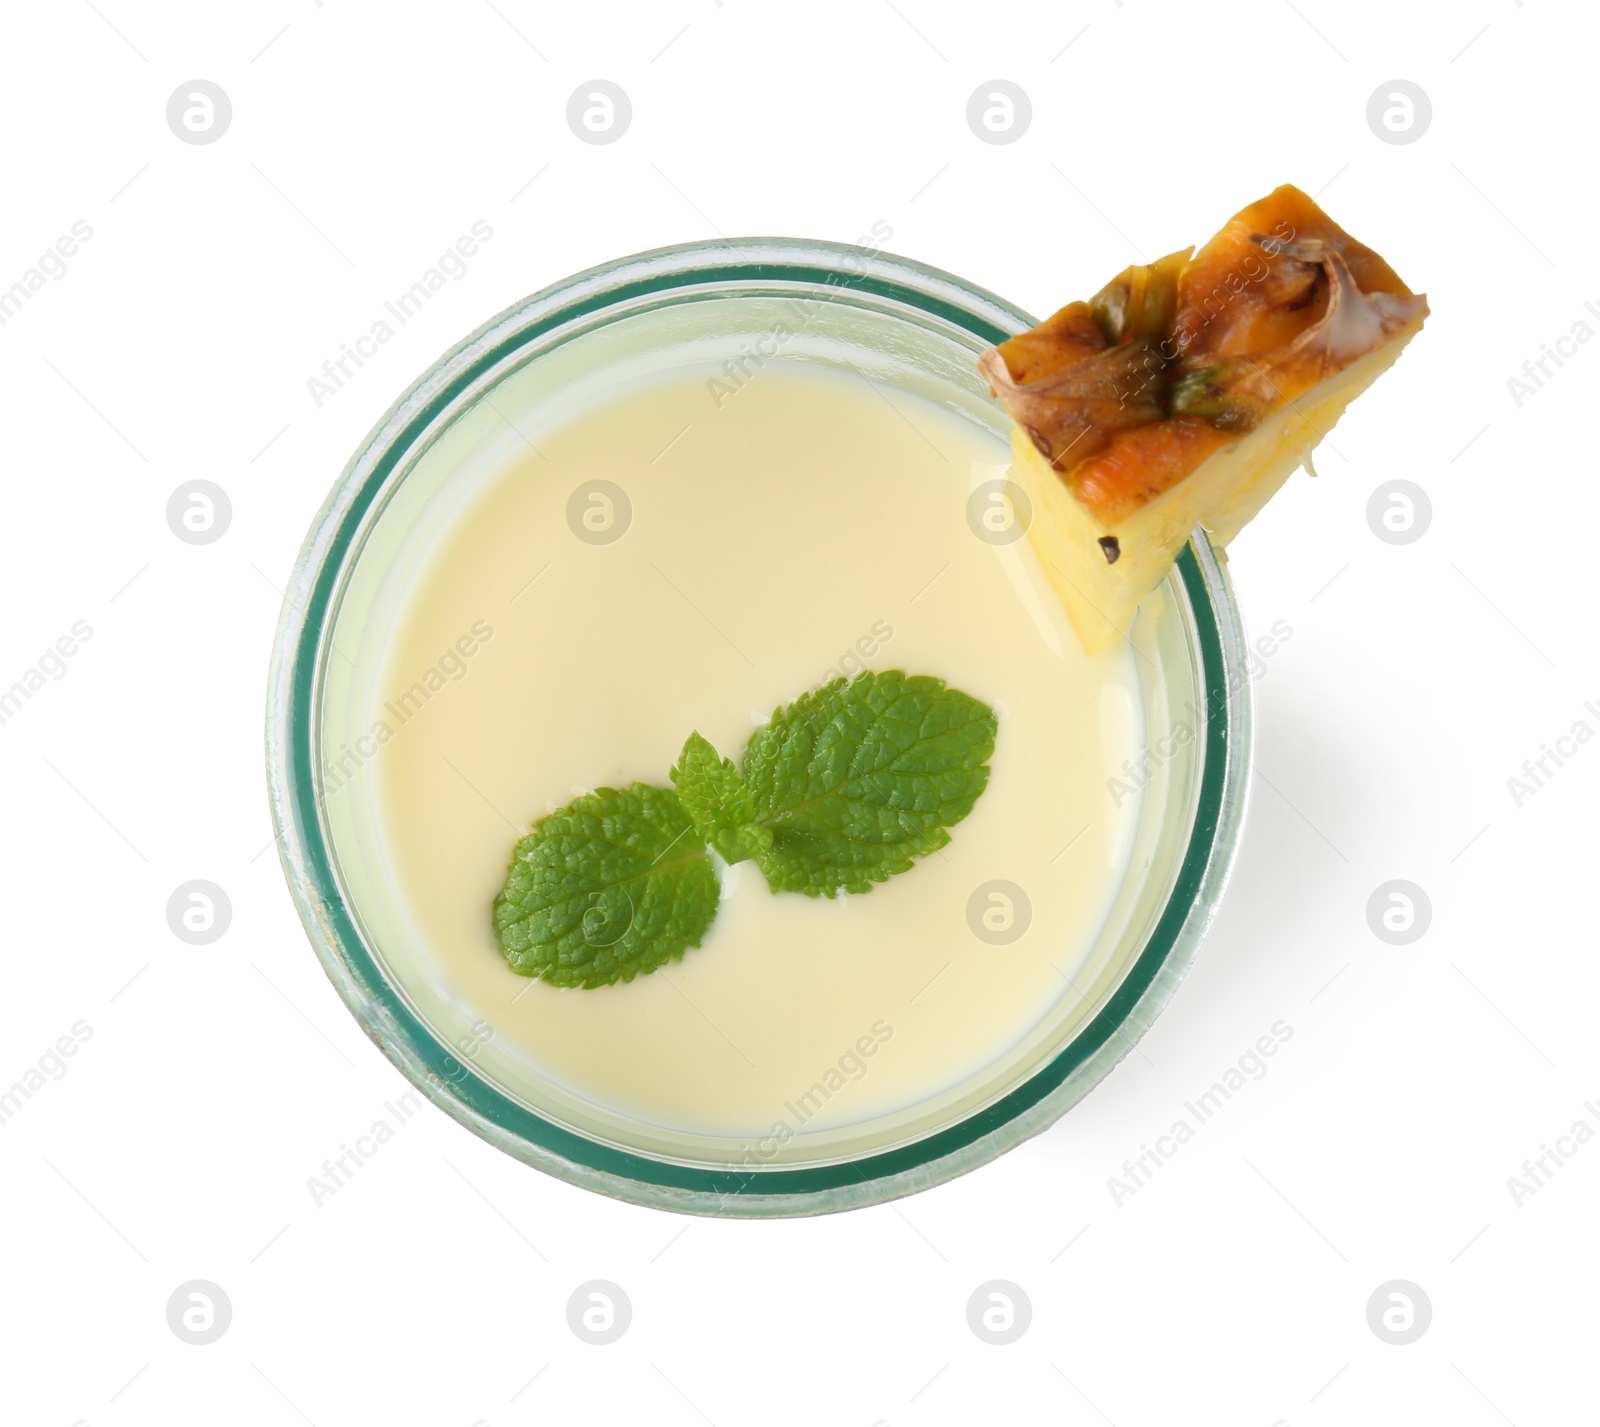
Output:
x,y
1186,392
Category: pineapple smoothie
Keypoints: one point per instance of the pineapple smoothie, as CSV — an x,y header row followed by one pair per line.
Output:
x,y
678,559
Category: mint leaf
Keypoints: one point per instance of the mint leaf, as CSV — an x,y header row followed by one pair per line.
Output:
x,y
610,887
714,796
857,780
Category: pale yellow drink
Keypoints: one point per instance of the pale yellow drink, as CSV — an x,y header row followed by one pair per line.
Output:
x,y
812,523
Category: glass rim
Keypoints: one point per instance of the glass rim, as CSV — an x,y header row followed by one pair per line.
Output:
x,y
305,844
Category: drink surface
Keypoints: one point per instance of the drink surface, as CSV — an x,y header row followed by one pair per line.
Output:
x,y
814,524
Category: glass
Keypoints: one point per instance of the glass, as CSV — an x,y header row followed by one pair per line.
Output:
x,y
898,323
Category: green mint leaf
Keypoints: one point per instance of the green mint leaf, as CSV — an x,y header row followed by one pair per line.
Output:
x,y
610,887
714,796
856,780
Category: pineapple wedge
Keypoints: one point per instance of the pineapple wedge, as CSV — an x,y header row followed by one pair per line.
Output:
x,y
1186,392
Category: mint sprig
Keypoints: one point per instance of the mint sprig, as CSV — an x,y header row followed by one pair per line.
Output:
x,y
842,789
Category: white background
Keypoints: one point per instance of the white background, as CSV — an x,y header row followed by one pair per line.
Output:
x,y
1232,1289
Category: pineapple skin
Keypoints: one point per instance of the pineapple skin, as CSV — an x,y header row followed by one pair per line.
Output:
x,y
1223,494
